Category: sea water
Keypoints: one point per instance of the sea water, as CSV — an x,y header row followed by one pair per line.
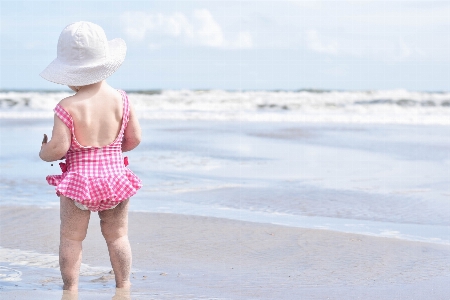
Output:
x,y
374,163
377,106
255,156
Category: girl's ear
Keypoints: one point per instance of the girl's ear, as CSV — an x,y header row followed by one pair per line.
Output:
x,y
74,88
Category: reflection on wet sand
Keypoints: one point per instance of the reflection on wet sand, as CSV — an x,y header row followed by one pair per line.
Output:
x,y
121,294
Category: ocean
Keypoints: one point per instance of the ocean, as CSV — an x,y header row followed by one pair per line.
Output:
x,y
322,159
367,162
312,106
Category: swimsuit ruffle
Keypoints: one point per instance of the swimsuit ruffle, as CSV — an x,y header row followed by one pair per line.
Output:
x,y
97,193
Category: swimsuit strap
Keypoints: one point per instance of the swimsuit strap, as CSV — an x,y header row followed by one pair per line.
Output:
x,y
64,116
126,110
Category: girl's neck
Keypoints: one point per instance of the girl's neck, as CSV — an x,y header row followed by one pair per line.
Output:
x,y
92,88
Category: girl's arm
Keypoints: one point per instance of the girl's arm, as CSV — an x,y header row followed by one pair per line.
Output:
x,y
59,144
132,134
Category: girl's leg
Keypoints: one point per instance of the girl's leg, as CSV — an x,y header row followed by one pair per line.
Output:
x,y
114,225
74,224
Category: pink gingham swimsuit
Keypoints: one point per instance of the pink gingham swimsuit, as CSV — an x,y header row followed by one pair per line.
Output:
x,y
96,178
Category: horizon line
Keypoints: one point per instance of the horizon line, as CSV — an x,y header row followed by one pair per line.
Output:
x,y
159,90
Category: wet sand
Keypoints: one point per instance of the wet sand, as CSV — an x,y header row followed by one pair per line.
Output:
x,y
191,257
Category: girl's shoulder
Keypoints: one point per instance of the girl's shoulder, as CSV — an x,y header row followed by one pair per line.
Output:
x,y
66,102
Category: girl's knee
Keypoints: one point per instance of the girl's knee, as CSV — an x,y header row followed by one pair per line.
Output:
x,y
112,231
74,222
114,223
73,235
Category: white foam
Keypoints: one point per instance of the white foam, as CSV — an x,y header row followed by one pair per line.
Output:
x,y
10,274
382,106
17,257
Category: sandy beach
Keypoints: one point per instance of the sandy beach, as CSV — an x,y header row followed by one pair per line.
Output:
x,y
190,257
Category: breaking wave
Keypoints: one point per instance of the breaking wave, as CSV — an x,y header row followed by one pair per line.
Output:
x,y
379,106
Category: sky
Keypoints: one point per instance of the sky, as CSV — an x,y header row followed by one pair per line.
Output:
x,y
241,45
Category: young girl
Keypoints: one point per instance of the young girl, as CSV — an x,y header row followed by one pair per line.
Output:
x,y
91,130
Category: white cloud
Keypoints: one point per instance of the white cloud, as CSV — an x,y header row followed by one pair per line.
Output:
x,y
415,14
199,29
317,44
141,23
360,46
208,32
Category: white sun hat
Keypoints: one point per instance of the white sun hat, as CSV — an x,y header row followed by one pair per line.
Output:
x,y
84,55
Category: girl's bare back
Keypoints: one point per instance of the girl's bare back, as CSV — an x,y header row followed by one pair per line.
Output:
x,y
97,115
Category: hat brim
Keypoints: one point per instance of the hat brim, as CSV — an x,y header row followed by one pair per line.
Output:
x,y
61,73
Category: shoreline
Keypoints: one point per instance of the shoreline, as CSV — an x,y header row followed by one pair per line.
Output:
x,y
215,256
428,233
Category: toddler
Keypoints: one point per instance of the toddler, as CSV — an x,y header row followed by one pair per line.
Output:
x,y
91,130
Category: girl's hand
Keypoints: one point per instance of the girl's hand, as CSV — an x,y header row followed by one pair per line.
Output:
x,y
45,140
44,143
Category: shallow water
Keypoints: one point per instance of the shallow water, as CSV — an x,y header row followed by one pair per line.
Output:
x,y
386,180
37,276
46,283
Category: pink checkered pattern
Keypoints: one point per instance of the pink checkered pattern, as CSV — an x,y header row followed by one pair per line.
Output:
x,y
96,176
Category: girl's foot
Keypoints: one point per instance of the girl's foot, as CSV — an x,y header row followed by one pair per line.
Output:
x,y
124,285
69,295
122,294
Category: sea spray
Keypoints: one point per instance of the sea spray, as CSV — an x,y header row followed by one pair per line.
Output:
x,y
379,106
